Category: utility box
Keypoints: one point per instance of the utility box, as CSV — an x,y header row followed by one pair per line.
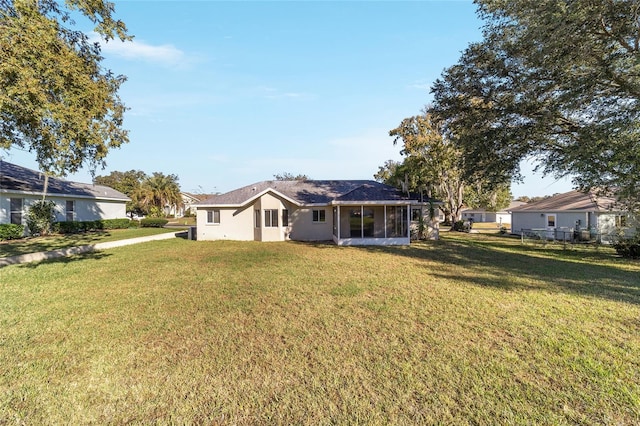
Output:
x,y
192,233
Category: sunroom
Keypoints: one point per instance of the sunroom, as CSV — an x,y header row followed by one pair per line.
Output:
x,y
371,223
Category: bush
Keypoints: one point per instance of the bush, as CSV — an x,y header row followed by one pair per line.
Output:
x,y
116,223
153,222
40,217
459,226
628,247
10,231
90,225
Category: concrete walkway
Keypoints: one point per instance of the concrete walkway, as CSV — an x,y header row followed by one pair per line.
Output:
x,y
55,254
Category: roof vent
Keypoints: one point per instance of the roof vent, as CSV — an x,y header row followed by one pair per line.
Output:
x,y
254,188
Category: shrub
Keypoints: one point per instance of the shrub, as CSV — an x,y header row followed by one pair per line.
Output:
x,y
459,226
628,247
116,223
90,225
10,231
40,217
153,222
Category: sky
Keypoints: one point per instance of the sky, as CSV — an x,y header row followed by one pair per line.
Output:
x,y
227,93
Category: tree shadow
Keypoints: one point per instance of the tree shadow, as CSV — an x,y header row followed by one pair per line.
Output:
x,y
43,244
511,266
90,255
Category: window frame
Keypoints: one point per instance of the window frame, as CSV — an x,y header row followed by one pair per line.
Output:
x,y
70,213
285,217
211,217
18,213
319,216
271,218
548,221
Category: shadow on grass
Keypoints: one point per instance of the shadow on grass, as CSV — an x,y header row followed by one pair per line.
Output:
x,y
508,265
91,255
40,244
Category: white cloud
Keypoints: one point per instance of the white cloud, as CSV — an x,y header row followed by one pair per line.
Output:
x,y
166,54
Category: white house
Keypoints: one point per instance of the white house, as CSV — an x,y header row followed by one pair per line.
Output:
x,y
20,187
482,215
354,212
587,215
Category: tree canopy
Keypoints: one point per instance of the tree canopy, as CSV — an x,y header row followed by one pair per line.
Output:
x,y
290,176
433,166
149,194
553,80
56,100
432,163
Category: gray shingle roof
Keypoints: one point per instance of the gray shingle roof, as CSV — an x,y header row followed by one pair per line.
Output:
x,y
571,201
18,178
312,192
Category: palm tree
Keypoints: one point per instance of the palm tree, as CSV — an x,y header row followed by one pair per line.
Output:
x,y
158,192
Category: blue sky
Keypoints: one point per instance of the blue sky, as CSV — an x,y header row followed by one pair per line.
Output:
x,y
224,94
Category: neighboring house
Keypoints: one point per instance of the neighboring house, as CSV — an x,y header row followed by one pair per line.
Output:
x,y
500,217
357,212
187,207
20,187
587,214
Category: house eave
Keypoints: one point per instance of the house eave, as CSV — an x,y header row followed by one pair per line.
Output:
x,y
374,203
61,195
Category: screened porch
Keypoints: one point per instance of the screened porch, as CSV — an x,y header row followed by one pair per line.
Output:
x,y
371,224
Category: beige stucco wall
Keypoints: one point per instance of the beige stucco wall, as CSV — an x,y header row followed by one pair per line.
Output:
x,y
303,228
235,224
239,223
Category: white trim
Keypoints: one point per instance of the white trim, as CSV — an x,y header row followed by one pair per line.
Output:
x,y
63,195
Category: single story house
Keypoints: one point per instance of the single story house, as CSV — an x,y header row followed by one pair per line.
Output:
x,y
349,212
20,187
482,215
573,213
187,205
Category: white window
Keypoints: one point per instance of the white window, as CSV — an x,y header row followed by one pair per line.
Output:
x,y
16,211
271,218
551,220
257,218
319,216
213,216
285,217
70,207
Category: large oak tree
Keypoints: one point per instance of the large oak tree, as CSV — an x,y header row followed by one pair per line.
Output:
x,y
557,81
56,99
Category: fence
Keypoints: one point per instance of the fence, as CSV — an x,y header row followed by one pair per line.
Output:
x,y
565,236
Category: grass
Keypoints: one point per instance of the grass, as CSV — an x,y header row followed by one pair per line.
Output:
x,y
183,221
473,329
55,242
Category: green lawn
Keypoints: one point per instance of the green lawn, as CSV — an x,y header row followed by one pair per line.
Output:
x,y
55,242
473,329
